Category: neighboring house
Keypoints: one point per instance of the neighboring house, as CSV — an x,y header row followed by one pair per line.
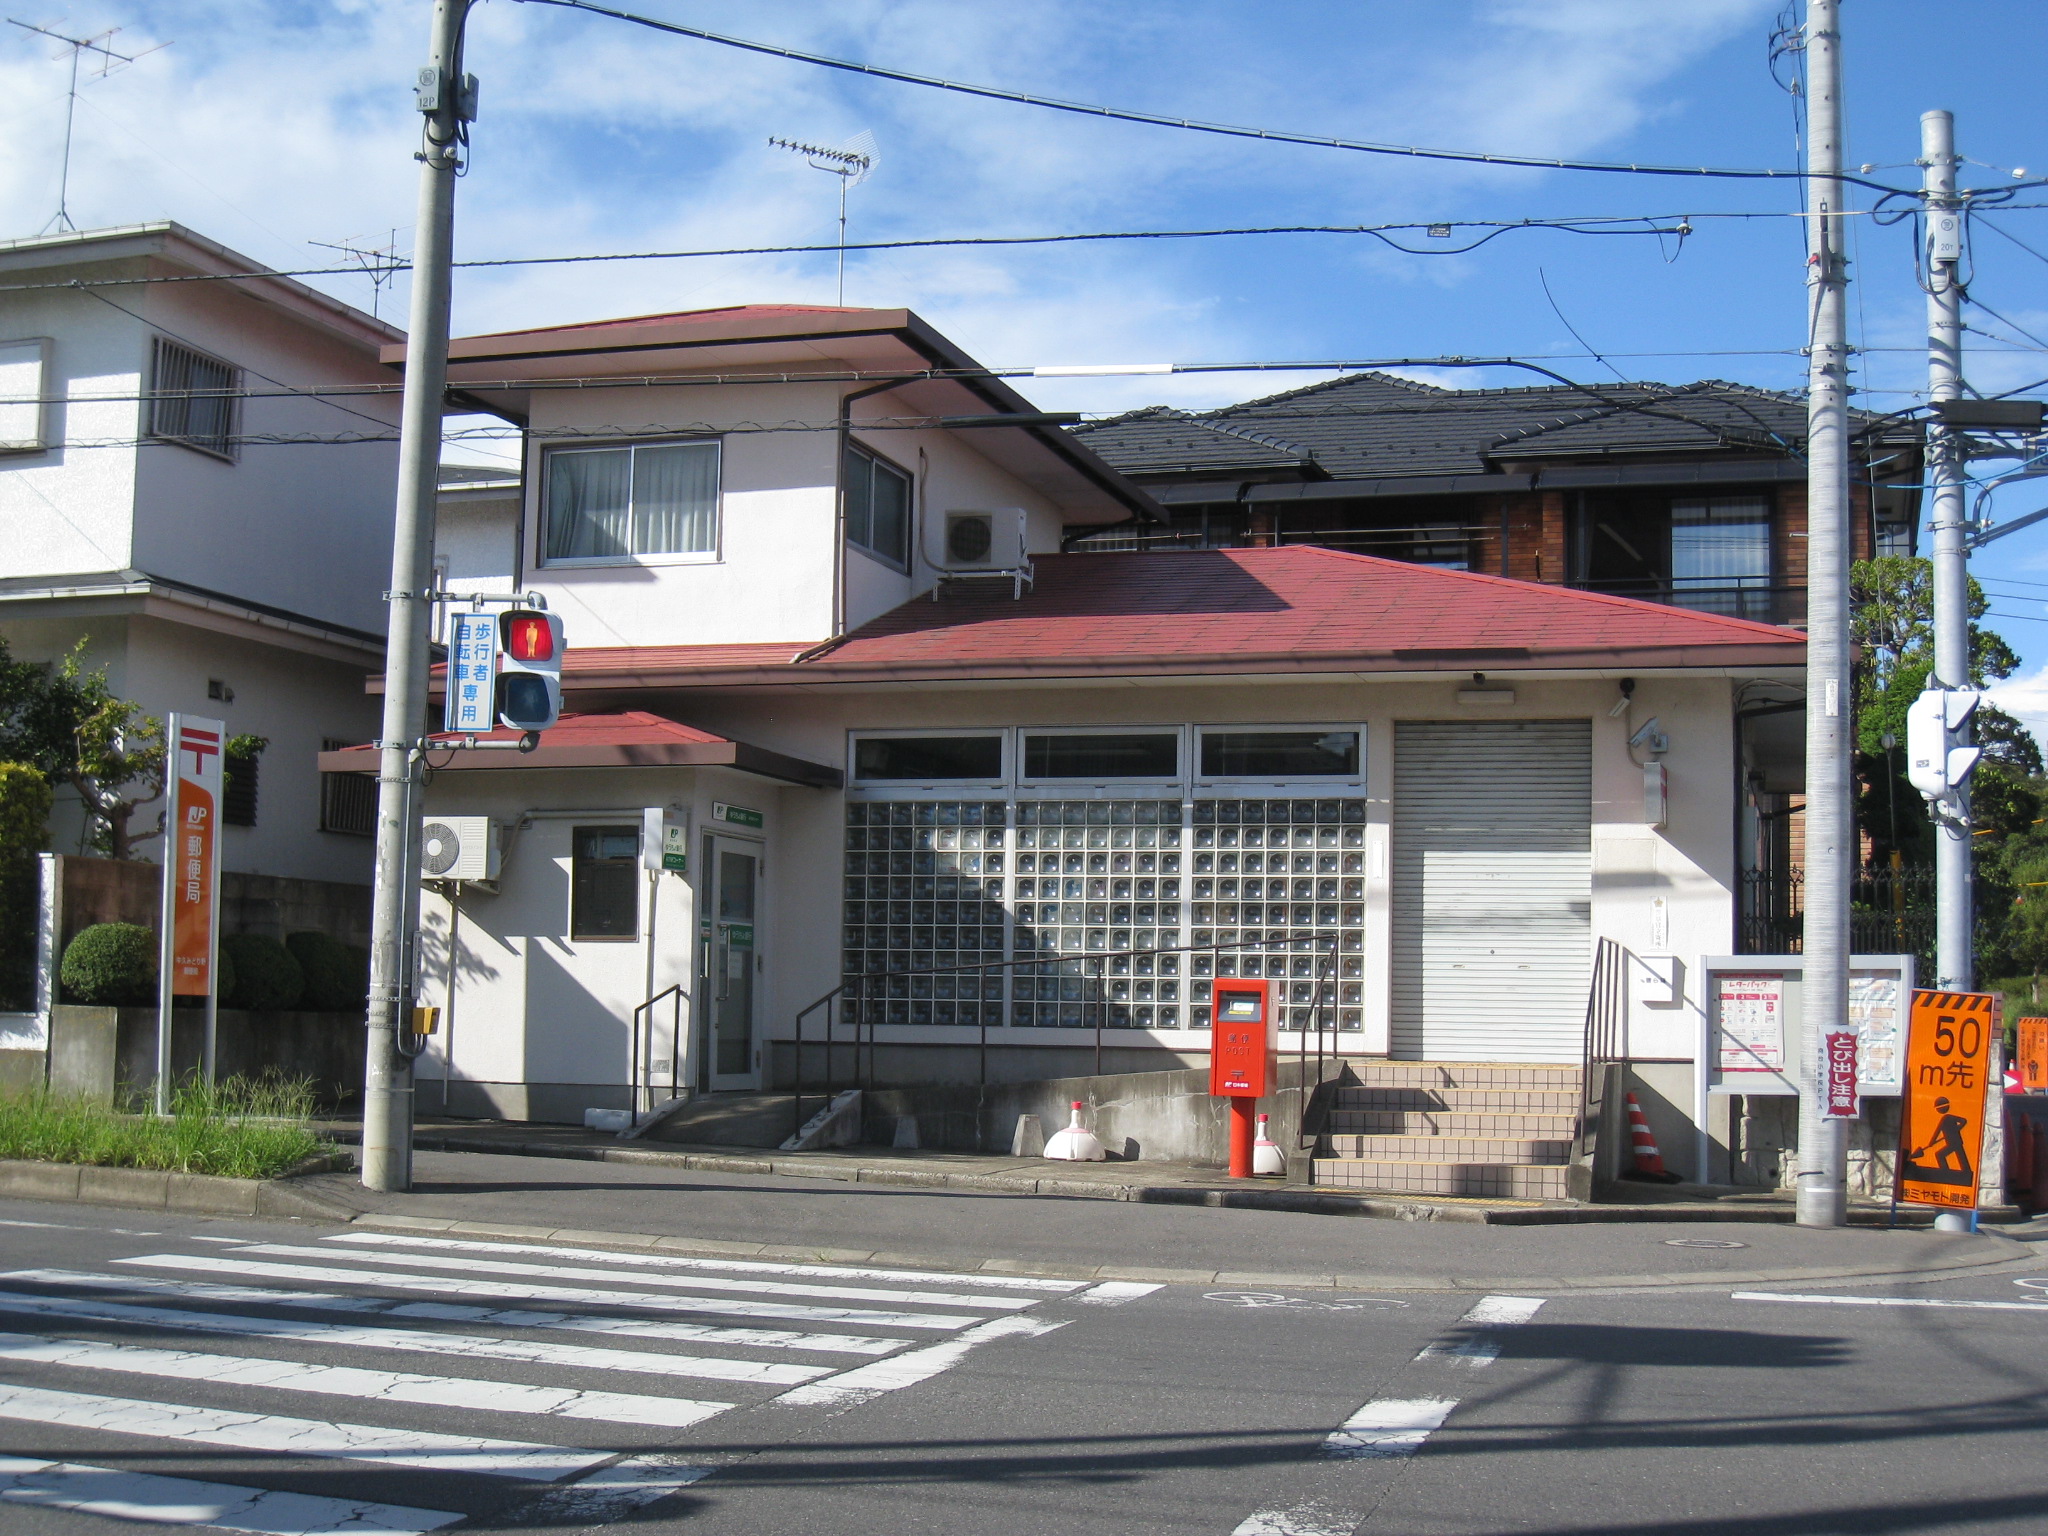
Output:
x,y
1693,495
197,475
1405,794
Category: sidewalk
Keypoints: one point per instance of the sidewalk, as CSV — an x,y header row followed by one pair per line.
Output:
x,y
638,1203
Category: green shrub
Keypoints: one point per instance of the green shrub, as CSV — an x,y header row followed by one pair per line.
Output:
x,y
266,975
336,980
241,1129
224,975
110,964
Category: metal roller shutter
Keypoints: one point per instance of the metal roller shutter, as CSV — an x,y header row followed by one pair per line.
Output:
x,y
1492,889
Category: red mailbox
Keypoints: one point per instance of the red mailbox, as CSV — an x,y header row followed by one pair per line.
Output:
x,y
1241,1046
1241,1039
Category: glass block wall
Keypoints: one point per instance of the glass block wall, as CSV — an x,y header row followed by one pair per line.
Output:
x,y
1079,892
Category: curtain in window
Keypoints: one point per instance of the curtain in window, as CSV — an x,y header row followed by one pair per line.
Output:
x,y
675,499
891,513
858,471
590,504
1720,544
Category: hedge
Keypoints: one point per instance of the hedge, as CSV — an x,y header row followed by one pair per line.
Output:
x,y
266,975
337,974
110,964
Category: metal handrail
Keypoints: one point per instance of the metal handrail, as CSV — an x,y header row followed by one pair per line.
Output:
x,y
865,1079
1605,1039
641,1074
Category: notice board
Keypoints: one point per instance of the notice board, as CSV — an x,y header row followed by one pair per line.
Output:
x,y
1755,1021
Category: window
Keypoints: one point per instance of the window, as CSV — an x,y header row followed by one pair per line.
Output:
x,y
1308,754
877,506
604,883
1725,543
193,399
24,375
348,801
615,504
1103,755
238,793
927,759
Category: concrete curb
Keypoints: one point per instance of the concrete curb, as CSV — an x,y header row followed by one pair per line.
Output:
x,y
1296,1199
2003,1256
191,1194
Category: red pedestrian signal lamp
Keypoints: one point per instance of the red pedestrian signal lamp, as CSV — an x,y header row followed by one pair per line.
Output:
x,y
529,685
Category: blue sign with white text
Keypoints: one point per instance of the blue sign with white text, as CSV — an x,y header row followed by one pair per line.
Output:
x,y
472,665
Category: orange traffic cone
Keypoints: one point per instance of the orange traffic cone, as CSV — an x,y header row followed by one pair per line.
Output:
x,y
1649,1161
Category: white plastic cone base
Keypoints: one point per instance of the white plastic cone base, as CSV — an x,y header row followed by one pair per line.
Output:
x,y
1267,1158
1074,1145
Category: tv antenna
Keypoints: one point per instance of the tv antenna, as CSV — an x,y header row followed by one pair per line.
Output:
x,y
851,164
106,62
380,263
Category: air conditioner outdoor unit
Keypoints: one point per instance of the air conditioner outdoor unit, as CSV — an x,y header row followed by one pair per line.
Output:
x,y
459,848
985,541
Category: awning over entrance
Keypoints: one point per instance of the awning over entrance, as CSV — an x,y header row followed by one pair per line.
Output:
x,y
628,739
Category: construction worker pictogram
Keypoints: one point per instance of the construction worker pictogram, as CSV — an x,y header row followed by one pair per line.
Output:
x,y
1941,1114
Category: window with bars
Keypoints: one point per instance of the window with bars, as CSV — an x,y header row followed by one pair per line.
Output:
x,y
348,801
1053,913
194,400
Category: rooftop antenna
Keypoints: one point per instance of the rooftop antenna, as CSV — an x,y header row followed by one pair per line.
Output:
x,y
851,165
107,61
380,263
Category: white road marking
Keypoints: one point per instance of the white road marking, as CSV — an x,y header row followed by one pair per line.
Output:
x,y
358,1382
450,1285
78,1226
733,1266
1302,1520
611,1493
906,1370
1894,1301
469,1346
445,1312
237,1242
299,1437
1482,1349
462,1265
185,1501
1114,1293
1390,1426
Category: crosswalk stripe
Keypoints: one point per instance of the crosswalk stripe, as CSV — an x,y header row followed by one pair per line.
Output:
x,y
360,1382
452,1285
145,1496
519,1459
731,1266
447,1312
610,1493
1482,1349
1389,1427
468,1346
694,1282
907,1370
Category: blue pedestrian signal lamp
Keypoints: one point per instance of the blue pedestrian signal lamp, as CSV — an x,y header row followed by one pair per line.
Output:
x,y
529,683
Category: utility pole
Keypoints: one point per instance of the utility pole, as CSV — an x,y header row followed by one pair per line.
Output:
x,y
447,103
1822,1196
1953,960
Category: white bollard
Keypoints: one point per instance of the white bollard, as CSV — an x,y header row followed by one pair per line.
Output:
x,y
1075,1144
1267,1158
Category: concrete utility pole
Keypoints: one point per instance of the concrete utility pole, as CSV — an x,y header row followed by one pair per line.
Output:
x,y
1954,927
446,103
1830,832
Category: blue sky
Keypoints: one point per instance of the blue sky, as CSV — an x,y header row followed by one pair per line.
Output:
x,y
269,125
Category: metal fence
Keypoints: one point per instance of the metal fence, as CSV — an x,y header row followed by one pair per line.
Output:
x,y
1891,912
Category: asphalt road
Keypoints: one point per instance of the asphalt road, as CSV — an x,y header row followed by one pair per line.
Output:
x,y
291,1378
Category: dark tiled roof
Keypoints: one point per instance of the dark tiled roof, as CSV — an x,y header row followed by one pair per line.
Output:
x,y
1374,426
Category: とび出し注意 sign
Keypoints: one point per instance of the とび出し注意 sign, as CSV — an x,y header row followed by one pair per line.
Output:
x,y
192,868
1840,1055
1941,1111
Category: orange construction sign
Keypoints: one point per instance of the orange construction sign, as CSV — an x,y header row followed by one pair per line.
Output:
x,y
2033,1054
1941,1113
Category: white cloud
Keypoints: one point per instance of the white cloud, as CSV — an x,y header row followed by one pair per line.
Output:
x,y
2025,699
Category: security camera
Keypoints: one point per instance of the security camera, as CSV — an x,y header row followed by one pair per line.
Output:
x,y
1628,692
1650,738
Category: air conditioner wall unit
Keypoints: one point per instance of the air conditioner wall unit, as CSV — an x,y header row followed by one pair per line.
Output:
x,y
984,540
461,848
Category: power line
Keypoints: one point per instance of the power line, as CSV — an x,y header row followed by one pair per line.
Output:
x,y
1192,125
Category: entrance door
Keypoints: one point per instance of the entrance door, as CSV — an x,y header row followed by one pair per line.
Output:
x,y
732,964
1492,910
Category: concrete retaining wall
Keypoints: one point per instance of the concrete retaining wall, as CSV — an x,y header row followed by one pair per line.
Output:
x,y
105,1053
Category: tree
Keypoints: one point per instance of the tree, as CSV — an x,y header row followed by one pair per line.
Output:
x,y
117,760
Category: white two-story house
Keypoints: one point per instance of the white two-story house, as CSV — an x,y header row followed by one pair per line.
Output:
x,y
999,809
198,460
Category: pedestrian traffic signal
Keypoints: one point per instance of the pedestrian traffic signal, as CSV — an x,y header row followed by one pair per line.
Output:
x,y
1937,760
529,691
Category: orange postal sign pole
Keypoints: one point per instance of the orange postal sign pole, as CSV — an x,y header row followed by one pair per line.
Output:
x,y
1941,1111
188,933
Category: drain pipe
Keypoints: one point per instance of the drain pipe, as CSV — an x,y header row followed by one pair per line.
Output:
x,y
841,438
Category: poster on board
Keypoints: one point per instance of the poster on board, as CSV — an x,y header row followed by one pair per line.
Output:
x,y
1877,1014
1750,1010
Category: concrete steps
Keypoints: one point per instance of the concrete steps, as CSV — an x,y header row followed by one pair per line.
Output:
x,y
1484,1130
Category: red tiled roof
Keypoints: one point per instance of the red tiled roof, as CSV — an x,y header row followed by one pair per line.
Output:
x,y
1293,609
626,739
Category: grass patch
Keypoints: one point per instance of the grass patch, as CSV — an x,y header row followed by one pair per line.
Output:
x,y
239,1129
